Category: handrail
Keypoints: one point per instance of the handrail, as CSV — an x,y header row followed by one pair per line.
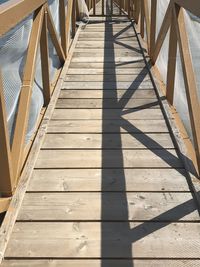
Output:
x,y
174,20
14,11
11,13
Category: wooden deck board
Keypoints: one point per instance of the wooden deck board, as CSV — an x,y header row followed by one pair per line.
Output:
x,y
107,103
98,263
132,45
145,180
107,141
108,188
109,114
133,64
112,71
99,94
123,159
161,206
107,78
108,85
109,126
121,240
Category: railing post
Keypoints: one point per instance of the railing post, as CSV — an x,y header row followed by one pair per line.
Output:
x,y
102,6
147,20
120,7
6,174
129,8
142,19
171,67
62,17
111,7
153,26
137,10
94,7
68,23
45,61
74,14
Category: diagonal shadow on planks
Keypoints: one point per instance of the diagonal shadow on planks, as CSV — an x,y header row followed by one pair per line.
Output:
x,y
131,235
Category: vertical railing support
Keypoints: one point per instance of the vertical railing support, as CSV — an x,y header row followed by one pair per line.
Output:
x,y
68,24
147,21
153,26
94,7
74,14
6,173
62,24
142,19
45,61
102,6
171,70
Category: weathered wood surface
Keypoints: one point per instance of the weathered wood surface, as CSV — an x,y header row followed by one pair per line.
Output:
x,y
111,114
99,94
108,85
113,71
86,207
132,45
92,52
107,78
84,240
69,180
138,158
106,103
107,141
108,188
133,64
118,59
109,126
98,263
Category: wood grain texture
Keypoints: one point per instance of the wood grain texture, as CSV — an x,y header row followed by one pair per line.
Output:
x,y
78,94
98,59
93,159
109,126
108,85
141,240
162,206
98,263
113,71
107,103
107,141
92,52
131,45
107,78
109,114
133,63
145,180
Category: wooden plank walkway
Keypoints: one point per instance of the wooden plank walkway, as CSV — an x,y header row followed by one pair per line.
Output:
x,y
108,188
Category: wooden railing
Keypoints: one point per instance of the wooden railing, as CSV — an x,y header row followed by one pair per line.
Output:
x,y
92,4
12,156
174,20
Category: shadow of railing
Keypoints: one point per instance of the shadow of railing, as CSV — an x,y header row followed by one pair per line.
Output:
x,y
117,237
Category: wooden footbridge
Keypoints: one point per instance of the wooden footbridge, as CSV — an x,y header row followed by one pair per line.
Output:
x,y
111,177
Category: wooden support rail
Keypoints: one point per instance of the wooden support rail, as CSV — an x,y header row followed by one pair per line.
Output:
x,y
12,155
175,21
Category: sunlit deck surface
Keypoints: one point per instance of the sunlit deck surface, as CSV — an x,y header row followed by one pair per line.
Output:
x,y
108,188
